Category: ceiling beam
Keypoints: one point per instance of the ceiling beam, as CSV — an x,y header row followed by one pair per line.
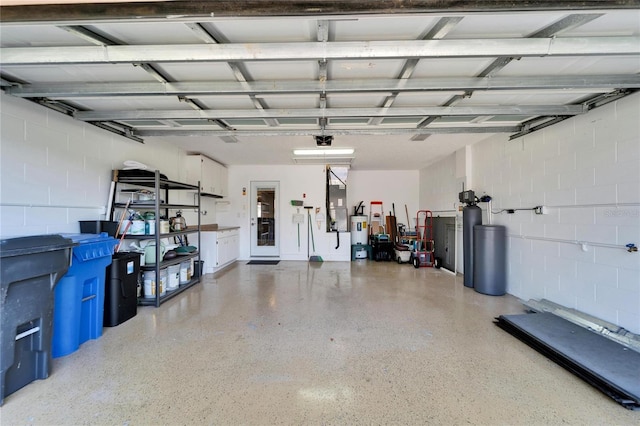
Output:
x,y
565,24
568,22
538,123
89,35
152,69
399,49
238,69
201,10
312,132
200,88
322,36
525,110
438,31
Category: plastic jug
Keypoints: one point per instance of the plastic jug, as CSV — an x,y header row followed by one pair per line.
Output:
x,y
150,252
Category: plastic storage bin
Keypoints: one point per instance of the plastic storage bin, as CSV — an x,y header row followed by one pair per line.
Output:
x,y
121,291
79,296
98,226
30,268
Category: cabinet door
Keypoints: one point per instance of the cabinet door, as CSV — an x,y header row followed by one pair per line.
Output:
x,y
194,170
212,175
208,175
224,181
209,249
234,247
223,247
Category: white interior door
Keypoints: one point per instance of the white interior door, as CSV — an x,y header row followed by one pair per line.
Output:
x,y
264,219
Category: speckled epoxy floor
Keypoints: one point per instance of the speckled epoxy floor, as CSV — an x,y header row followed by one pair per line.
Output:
x,y
299,343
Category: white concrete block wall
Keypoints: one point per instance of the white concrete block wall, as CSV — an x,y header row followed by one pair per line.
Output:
x,y
439,187
56,171
587,170
397,187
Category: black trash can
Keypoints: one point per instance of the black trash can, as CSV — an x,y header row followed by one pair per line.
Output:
x,y
490,257
121,291
30,268
199,268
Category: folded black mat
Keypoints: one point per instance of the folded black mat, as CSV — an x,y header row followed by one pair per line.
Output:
x,y
263,262
609,366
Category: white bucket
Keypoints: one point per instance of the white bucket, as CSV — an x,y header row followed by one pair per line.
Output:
x,y
137,227
149,284
164,227
164,278
174,277
185,272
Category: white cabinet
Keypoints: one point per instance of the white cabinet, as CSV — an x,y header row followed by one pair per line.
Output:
x,y
228,247
219,248
212,176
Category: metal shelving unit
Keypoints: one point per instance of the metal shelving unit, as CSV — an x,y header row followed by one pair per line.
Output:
x,y
161,204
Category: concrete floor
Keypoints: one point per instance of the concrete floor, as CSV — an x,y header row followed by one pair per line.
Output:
x,y
298,343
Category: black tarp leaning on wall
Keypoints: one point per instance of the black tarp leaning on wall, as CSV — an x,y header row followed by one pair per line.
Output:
x,y
607,365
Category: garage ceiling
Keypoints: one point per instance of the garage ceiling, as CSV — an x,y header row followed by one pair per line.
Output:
x,y
246,82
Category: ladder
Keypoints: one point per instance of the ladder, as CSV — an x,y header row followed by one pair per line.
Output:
x,y
376,224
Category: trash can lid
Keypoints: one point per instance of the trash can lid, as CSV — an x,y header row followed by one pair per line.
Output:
x,y
92,246
33,244
88,238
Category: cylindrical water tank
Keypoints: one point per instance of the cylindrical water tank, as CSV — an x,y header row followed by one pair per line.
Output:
x,y
359,231
471,216
490,257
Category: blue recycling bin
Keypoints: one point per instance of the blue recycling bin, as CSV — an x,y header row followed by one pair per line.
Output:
x,y
79,296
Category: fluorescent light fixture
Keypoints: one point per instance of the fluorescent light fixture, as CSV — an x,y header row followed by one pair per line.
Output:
x,y
319,152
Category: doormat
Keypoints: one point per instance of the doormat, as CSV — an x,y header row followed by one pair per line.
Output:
x,y
263,262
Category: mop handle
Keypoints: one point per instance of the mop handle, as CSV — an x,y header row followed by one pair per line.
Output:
x,y
313,243
308,225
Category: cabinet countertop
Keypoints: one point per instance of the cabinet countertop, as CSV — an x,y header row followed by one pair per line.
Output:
x,y
206,228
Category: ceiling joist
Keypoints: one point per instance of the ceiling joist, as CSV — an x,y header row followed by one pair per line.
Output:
x,y
372,131
198,88
398,49
524,110
438,31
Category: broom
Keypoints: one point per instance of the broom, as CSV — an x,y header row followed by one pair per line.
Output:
x,y
297,219
313,258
